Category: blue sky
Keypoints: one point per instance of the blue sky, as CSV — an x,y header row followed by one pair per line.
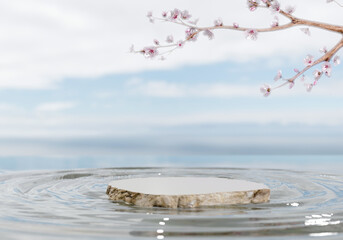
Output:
x,y
70,88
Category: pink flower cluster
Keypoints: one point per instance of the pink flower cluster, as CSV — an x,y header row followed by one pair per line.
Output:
x,y
180,17
274,5
326,69
176,14
192,31
191,34
150,52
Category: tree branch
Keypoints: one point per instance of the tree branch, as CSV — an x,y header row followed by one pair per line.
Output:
x,y
183,18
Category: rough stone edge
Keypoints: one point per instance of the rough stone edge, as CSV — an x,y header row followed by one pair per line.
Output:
x,y
188,201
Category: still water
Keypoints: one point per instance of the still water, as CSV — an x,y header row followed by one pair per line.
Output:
x,y
72,204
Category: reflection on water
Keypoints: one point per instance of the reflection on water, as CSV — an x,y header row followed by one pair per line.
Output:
x,y
73,205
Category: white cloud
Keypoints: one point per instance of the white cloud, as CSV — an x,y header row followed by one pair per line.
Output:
x,y
55,106
165,89
126,125
174,90
7,107
157,89
44,42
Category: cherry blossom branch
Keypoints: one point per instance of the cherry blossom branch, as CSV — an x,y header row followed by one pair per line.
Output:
x,y
244,29
326,68
183,18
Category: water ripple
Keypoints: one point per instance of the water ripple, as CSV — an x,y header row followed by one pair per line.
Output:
x,y
73,205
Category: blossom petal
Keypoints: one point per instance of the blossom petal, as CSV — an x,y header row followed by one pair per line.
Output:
x,y
306,31
251,34
336,60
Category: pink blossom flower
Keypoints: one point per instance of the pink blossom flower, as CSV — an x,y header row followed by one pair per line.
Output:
x,y
336,60
156,42
278,75
323,50
175,14
185,15
275,7
326,68
235,25
150,52
266,90
275,22
180,43
191,34
306,31
290,9
149,15
308,60
170,39
218,22
317,74
251,34
209,34
164,14
253,4
291,84
309,86
296,70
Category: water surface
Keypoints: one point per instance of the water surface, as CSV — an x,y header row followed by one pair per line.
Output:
x,y
72,204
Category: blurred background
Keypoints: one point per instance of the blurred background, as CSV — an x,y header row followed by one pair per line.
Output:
x,y
71,94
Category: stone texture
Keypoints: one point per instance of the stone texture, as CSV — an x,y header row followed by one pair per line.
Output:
x,y
141,199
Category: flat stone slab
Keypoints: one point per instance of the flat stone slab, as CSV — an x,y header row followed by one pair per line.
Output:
x,y
186,192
